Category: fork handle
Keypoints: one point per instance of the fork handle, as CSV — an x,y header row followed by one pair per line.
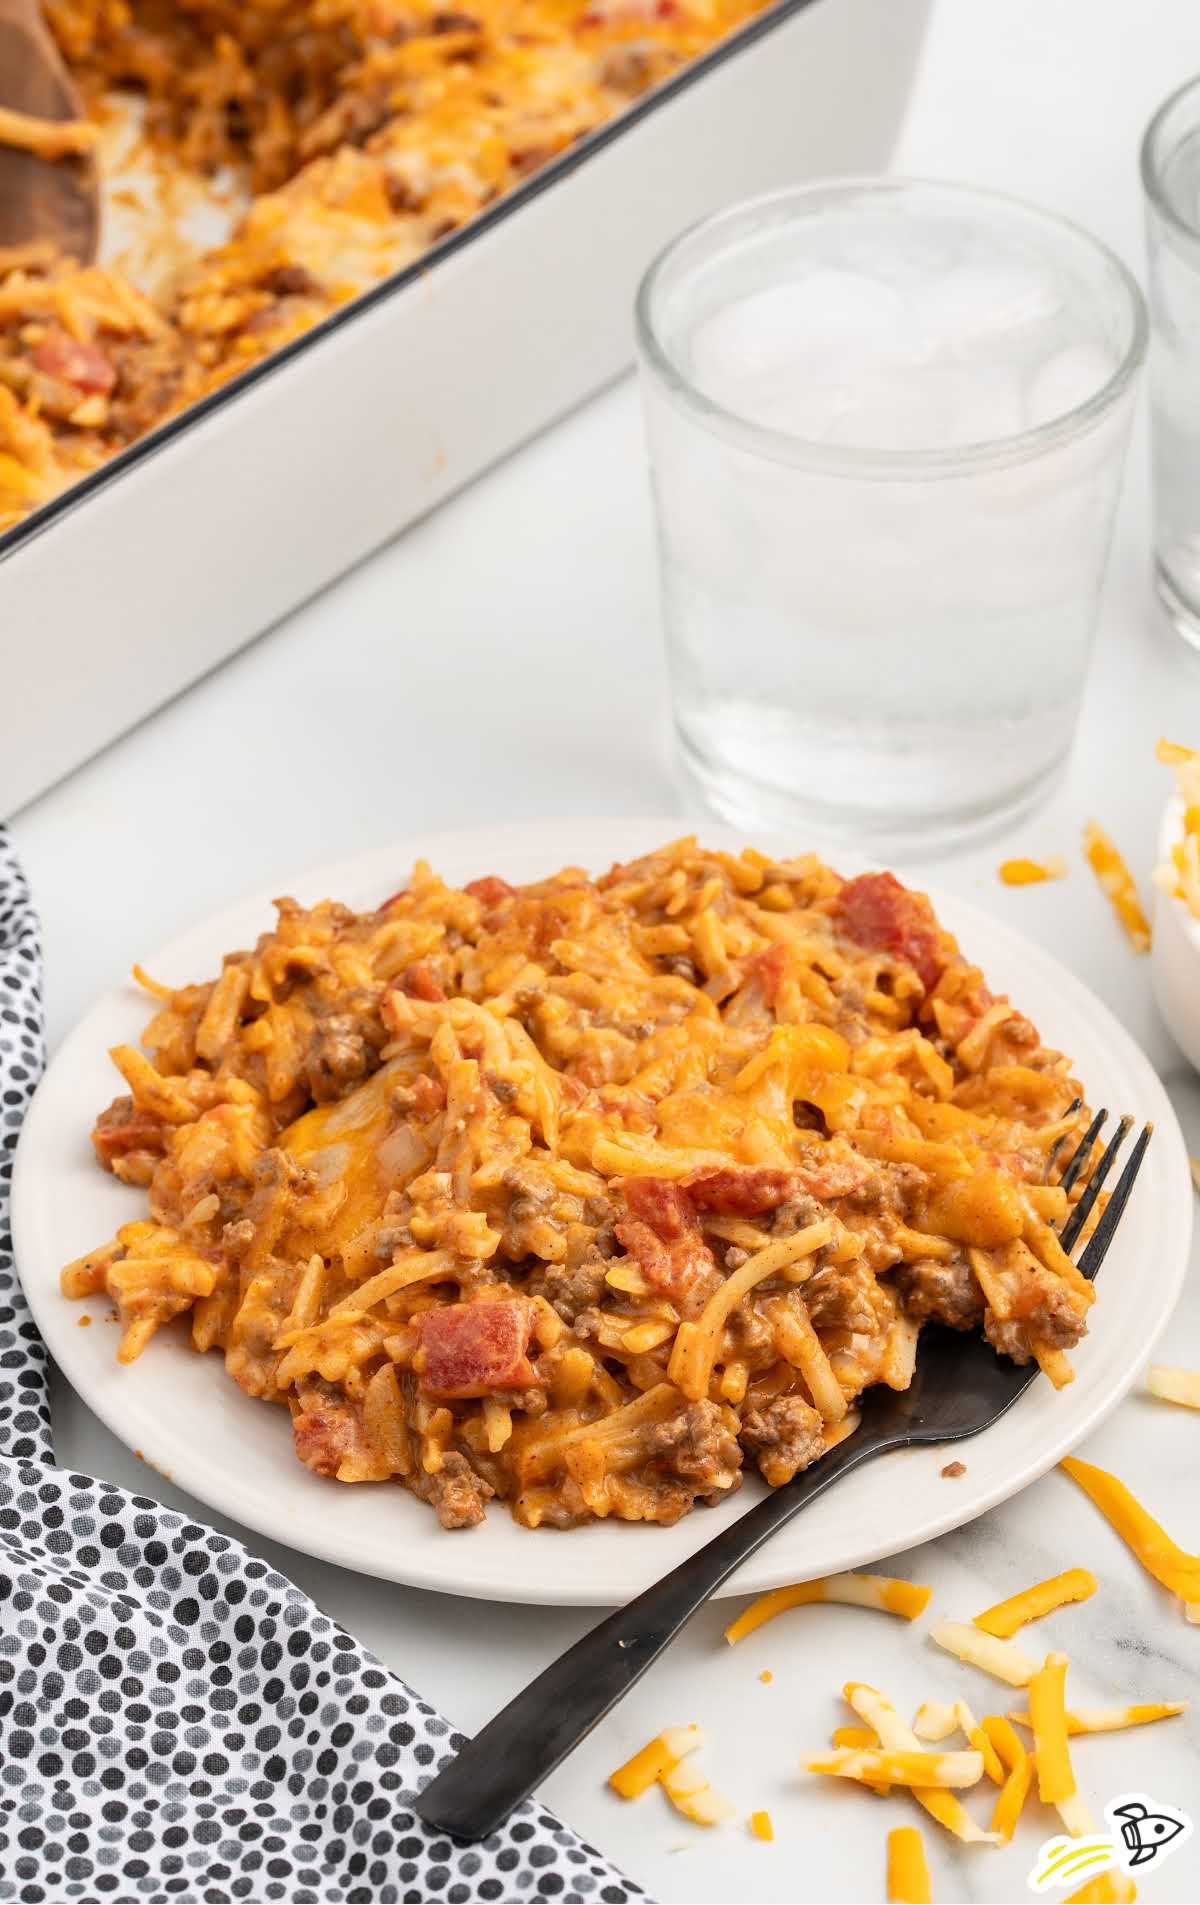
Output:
x,y
474,1794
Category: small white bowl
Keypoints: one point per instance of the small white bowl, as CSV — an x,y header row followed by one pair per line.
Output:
x,y
1175,958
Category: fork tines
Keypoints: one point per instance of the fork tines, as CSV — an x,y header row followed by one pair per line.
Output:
x,y
1097,1246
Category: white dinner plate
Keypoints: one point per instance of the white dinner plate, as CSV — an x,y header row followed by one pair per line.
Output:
x,y
191,1421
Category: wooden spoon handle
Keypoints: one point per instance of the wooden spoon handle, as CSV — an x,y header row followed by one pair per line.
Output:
x,y
42,200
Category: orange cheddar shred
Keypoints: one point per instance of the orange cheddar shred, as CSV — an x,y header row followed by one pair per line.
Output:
x,y
1149,1541
908,1880
906,1598
1007,1617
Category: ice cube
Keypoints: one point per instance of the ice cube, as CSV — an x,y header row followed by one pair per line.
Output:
x,y
825,315
979,403
1067,380
975,303
883,411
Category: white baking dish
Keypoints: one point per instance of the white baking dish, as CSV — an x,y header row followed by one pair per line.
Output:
x,y
177,552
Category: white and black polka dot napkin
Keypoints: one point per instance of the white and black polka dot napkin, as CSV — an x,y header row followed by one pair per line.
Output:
x,y
177,1721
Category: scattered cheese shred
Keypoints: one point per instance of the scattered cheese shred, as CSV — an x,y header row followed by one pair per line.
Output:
x,y
1007,1617
1149,1541
906,1598
977,1738
1117,881
1032,872
1194,1167
1112,1719
690,1793
1180,875
1174,1385
760,1826
1019,1764
998,1657
656,1758
766,1676
1111,1888
861,1736
892,1733
935,1720
1048,1715
908,1880
903,1768
1075,1815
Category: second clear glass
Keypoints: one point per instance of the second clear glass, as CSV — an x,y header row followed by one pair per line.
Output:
x,y
1171,180
880,575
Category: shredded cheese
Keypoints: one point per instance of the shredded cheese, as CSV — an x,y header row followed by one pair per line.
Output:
x,y
656,1758
46,138
1111,1888
1180,876
1174,1385
1112,1719
1149,1541
690,1793
908,1880
1019,1765
863,1736
893,1734
1118,884
998,1657
1007,1617
902,1768
1032,872
977,1738
760,1826
1048,1716
935,1720
905,1598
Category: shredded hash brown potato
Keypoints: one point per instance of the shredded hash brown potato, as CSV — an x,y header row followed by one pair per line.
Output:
x,y
361,132
584,1194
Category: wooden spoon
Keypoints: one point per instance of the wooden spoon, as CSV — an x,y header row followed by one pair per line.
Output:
x,y
48,187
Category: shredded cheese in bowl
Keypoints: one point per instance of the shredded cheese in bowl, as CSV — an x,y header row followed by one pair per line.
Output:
x,y
1179,874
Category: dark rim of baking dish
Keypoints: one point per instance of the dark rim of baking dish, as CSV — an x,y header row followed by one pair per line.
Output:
x,y
864,462
41,519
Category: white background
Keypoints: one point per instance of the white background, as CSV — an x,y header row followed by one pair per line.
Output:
x,y
502,661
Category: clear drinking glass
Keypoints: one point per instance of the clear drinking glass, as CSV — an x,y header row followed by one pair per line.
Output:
x,y
1171,180
887,420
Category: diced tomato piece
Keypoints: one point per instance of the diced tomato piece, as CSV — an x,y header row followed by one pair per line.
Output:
x,y
738,1191
123,1128
473,1348
877,912
490,890
323,1437
420,981
770,967
65,358
428,1094
664,1206
663,1233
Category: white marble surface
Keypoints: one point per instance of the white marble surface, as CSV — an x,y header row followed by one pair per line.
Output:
x,y
502,661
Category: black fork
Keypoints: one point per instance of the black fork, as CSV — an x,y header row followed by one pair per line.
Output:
x,y
960,1387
